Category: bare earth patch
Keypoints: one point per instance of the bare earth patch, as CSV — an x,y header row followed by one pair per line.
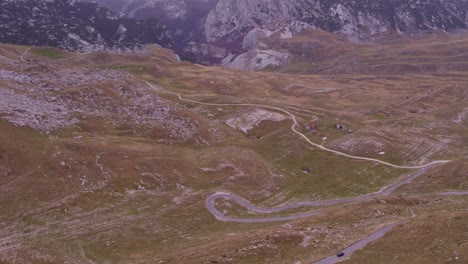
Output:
x,y
249,119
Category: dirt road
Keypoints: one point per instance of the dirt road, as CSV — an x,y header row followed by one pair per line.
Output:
x,y
209,202
24,54
294,129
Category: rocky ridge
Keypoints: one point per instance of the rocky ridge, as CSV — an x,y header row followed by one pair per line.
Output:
x,y
73,25
47,97
249,23
235,32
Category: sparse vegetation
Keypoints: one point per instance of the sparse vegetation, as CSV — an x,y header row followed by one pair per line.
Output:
x,y
50,53
127,181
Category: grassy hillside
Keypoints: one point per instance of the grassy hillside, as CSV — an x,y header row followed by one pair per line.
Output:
x,y
316,51
121,171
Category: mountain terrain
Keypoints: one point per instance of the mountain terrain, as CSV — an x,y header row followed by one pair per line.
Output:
x,y
316,131
102,162
184,18
75,26
236,33
239,34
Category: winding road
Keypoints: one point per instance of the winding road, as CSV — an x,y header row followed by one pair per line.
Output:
x,y
210,200
210,203
294,129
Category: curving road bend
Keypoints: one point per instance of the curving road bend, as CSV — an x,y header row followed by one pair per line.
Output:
x,y
25,54
210,203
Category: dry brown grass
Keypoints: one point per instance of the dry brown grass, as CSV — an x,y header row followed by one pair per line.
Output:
x,y
94,207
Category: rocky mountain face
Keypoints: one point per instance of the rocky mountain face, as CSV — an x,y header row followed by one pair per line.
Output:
x,y
72,25
48,95
232,32
183,18
250,22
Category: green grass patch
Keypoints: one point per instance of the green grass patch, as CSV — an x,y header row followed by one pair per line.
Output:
x,y
49,53
133,211
135,68
330,176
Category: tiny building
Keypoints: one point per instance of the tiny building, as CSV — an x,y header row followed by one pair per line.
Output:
x,y
343,128
313,128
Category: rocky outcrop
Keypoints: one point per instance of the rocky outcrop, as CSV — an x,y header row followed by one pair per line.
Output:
x,y
50,96
234,21
356,20
256,59
183,18
73,25
251,118
234,31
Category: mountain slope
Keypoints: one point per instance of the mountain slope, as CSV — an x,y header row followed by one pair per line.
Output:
x,y
226,29
98,166
233,21
354,19
74,25
184,18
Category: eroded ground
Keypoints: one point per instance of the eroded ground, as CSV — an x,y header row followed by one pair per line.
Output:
x,y
96,166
